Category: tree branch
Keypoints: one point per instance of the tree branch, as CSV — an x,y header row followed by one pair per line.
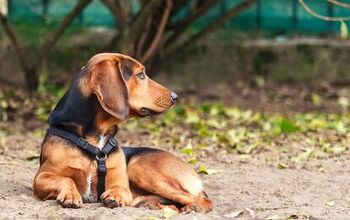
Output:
x,y
132,33
197,12
148,11
123,12
157,38
112,8
322,17
118,10
183,25
142,40
342,4
50,41
19,49
171,51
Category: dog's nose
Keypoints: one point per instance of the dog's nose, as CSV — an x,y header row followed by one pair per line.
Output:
x,y
173,97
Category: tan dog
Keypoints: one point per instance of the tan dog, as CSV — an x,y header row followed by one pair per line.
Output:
x,y
108,90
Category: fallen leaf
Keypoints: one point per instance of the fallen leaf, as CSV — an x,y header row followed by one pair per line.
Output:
x,y
274,217
343,102
203,170
192,160
282,166
250,211
168,212
212,172
234,214
316,99
330,203
288,126
152,218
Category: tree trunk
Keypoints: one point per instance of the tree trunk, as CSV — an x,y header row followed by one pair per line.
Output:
x,y
131,34
152,49
31,79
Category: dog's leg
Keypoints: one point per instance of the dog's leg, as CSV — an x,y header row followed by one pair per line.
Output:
x,y
153,202
163,174
63,189
190,202
117,191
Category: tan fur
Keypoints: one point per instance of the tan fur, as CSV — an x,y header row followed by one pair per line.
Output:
x,y
163,174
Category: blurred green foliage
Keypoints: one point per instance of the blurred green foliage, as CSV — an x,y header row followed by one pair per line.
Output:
x,y
199,129
194,127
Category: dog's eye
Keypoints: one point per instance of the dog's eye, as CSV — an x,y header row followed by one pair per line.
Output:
x,y
141,75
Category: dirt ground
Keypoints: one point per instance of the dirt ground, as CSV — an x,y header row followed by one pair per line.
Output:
x,y
243,188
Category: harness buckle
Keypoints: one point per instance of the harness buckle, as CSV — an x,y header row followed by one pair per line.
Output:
x,y
101,155
113,142
82,143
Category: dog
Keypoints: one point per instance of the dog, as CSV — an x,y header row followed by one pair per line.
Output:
x,y
76,168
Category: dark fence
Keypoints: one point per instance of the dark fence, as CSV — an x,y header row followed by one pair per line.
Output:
x,y
277,16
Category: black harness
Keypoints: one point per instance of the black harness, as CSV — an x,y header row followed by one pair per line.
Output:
x,y
99,154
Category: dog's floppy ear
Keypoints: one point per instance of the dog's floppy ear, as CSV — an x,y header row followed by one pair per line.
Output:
x,y
108,84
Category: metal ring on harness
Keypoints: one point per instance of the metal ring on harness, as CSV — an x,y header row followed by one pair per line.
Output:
x,y
101,155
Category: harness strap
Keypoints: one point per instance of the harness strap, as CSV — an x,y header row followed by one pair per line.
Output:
x,y
100,155
101,161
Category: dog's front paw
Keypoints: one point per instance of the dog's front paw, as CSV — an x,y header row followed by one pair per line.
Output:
x,y
69,199
116,197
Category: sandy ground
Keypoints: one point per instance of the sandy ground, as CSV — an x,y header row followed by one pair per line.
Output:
x,y
251,187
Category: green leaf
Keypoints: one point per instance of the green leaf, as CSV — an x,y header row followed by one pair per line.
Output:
x,y
203,170
180,110
259,81
192,160
282,166
343,30
215,123
192,118
288,126
206,107
316,99
337,149
317,123
235,136
3,104
188,149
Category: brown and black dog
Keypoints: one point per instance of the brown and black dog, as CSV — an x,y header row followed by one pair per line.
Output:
x,y
109,89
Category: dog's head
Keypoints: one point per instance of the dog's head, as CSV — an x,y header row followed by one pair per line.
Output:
x,y
123,88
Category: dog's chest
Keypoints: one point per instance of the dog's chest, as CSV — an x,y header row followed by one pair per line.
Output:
x,y
90,194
